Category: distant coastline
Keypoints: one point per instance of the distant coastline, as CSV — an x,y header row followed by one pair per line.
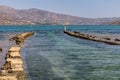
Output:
x,y
11,16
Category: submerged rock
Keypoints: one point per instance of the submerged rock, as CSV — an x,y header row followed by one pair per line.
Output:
x,y
1,49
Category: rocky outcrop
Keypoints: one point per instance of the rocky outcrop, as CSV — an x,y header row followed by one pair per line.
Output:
x,y
99,38
13,67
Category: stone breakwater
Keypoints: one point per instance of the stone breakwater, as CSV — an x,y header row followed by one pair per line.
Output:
x,y
13,66
21,37
109,39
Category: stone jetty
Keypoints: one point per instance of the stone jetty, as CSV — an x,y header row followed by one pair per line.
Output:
x,y
21,37
113,40
13,66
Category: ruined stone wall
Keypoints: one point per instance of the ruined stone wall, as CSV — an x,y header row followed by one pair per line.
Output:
x,y
13,67
112,40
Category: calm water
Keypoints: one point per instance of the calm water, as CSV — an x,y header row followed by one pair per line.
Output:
x,y
52,55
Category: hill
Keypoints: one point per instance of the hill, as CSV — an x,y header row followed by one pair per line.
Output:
x,y
11,16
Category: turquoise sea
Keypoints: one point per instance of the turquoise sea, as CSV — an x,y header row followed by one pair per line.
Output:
x,y
52,55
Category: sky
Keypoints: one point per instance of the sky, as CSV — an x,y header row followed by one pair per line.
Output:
x,y
81,8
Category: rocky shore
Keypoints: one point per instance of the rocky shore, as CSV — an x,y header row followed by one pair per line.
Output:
x,y
109,39
13,66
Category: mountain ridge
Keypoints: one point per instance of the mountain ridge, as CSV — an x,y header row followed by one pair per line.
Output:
x,y
34,16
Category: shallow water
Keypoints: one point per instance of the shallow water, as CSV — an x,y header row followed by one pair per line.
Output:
x,y
52,55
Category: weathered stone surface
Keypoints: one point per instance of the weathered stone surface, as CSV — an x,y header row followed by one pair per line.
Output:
x,y
14,54
13,76
13,67
8,77
21,37
14,49
14,60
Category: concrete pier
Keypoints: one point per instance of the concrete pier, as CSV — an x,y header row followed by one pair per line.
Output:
x,y
13,67
99,38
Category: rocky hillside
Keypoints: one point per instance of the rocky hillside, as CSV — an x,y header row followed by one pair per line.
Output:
x,y
10,16
114,23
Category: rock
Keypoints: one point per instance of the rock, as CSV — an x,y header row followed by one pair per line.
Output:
x,y
9,77
117,39
14,49
13,55
21,37
0,49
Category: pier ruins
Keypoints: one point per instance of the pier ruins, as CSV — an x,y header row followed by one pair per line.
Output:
x,y
105,38
13,66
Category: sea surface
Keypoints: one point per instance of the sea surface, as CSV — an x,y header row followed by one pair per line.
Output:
x,y
52,55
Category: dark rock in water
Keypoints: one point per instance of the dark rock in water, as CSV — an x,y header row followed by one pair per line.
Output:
x,y
107,38
1,49
117,39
